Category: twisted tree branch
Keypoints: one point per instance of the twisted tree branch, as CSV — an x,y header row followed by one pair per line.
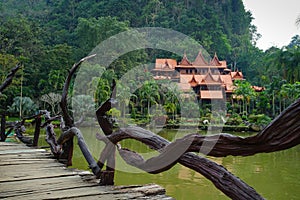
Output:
x,y
63,103
67,147
282,133
9,77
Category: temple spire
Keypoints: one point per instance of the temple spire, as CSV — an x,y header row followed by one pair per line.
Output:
x,y
200,61
185,61
215,61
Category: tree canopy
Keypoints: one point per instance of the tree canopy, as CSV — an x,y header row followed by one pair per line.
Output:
x,y
47,37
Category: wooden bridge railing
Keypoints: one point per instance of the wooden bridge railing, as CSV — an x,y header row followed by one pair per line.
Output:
x,y
282,133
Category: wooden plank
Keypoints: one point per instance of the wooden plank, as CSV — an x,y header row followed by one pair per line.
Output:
x,y
23,151
11,144
138,196
26,155
25,161
105,192
33,174
28,173
29,165
35,186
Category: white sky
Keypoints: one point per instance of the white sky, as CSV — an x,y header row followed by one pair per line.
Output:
x,y
275,21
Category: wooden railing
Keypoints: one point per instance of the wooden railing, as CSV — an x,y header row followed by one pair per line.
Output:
x,y
282,133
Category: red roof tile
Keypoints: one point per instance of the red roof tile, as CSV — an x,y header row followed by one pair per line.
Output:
x,y
211,94
215,61
163,64
200,61
193,82
185,61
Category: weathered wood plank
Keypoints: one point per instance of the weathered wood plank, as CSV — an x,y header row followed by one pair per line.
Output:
x,y
25,187
28,173
16,173
105,192
23,151
27,155
125,197
24,161
14,165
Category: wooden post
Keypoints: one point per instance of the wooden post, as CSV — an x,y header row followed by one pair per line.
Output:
x,y
37,131
2,133
107,177
67,152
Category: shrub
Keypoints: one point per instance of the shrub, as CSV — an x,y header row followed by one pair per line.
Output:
x,y
260,119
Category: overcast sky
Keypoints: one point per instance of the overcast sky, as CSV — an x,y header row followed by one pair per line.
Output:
x,y
275,21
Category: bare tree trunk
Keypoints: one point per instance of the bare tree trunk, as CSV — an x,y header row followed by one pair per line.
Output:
x,y
219,176
67,147
2,131
282,133
38,121
9,77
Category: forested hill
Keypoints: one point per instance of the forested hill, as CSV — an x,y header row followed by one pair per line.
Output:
x,y
48,36
220,26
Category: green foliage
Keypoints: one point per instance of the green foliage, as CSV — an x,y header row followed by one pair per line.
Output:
x,y
90,32
52,99
22,106
260,119
49,36
234,119
83,105
114,112
244,93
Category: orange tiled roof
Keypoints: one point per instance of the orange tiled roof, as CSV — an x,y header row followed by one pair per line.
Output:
x,y
185,87
165,64
211,94
258,89
227,81
200,61
211,79
237,75
215,61
193,82
184,61
184,81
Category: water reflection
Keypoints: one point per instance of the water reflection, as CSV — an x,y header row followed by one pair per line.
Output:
x,y
273,175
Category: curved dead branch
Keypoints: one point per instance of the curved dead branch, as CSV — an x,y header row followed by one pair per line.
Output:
x,y
19,129
70,133
103,120
69,122
67,147
217,174
282,133
9,77
50,134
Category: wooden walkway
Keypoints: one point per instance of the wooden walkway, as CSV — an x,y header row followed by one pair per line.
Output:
x,y
28,173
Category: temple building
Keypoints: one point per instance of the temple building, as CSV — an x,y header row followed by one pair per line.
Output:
x,y
209,79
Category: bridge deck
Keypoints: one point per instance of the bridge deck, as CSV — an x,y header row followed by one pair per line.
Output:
x,y
29,173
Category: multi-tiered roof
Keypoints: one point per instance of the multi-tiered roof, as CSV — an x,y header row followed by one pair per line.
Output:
x,y
209,79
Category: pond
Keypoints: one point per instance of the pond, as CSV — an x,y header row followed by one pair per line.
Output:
x,y
274,175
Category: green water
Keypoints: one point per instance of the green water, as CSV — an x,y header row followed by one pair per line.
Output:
x,y
274,175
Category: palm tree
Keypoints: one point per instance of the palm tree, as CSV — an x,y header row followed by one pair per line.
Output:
x,y
291,91
57,79
150,94
244,89
27,105
102,92
123,97
170,108
172,98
